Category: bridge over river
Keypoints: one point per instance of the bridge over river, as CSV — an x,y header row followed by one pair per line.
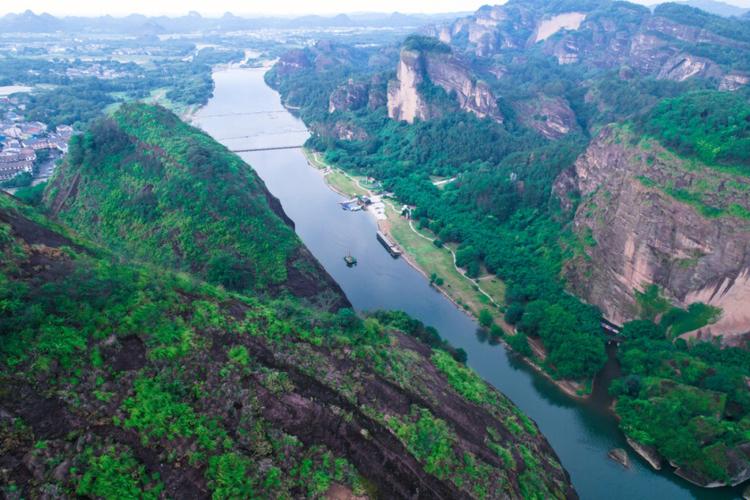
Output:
x,y
272,148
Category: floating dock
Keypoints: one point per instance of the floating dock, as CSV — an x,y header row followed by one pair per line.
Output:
x,y
352,205
392,248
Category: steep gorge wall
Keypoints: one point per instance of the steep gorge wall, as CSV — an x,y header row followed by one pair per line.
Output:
x,y
639,235
406,102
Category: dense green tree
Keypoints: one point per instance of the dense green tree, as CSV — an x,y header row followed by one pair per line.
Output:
x,y
485,318
639,329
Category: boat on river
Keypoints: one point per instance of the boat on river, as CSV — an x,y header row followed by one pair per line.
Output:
x,y
392,248
352,205
350,260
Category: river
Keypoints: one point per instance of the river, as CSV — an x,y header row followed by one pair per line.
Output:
x,y
245,114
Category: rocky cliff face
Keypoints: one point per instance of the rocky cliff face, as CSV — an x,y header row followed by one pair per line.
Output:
x,y
404,100
348,97
354,95
550,116
682,66
415,67
548,27
489,30
343,130
734,81
610,35
638,234
292,62
326,56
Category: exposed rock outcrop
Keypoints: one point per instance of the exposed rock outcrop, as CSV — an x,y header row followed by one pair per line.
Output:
x,y
354,95
734,81
683,66
620,456
550,116
291,62
349,97
489,30
342,130
608,35
648,453
644,236
404,100
602,40
670,28
325,56
567,21
418,67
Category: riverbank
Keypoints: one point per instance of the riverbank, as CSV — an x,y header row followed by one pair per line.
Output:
x,y
420,251
433,262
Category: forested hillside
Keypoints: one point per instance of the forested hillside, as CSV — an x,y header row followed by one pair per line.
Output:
x,y
711,126
125,374
151,187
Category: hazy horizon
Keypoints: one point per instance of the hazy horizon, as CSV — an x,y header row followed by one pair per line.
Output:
x,y
281,8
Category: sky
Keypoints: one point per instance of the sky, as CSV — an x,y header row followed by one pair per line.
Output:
x,y
251,7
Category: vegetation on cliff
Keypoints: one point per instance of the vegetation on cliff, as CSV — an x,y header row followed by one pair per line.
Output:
x,y
425,44
691,16
687,400
710,125
131,376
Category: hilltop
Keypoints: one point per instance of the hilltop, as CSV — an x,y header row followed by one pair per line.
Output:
x,y
158,190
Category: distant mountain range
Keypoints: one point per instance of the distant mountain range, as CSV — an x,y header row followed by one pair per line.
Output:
x,y
30,22
718,8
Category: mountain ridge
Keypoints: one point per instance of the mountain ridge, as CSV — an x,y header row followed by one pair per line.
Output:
x,y
165,215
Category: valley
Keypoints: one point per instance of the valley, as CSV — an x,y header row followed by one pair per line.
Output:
x,y
380,282
514,209
495,253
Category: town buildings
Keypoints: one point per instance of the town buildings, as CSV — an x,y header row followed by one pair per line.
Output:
x,y
20,141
